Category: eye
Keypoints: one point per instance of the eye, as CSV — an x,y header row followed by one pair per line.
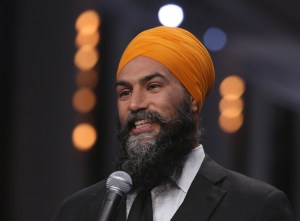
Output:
x,y
123,94
153,86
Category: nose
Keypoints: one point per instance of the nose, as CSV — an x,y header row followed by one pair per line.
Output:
x,y
138,101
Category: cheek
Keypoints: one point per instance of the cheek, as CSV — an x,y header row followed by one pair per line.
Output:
x,y
166,105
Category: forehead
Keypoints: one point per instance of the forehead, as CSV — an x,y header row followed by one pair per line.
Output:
x,y
141,66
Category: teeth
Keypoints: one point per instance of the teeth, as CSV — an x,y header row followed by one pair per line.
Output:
x,y
140,123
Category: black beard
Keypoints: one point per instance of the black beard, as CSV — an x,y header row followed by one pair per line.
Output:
x,y
160,161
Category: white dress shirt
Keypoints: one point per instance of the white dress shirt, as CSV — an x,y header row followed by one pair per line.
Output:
x,y
166,199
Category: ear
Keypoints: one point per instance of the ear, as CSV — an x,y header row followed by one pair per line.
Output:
x,y
194,105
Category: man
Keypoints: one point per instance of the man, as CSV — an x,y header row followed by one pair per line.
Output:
x,y
162,81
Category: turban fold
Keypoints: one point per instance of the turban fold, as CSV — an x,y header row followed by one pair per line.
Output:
x,y
181,52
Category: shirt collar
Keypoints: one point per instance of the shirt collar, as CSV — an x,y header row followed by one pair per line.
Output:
x,y
190,168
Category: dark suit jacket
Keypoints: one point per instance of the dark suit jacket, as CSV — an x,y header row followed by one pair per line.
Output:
x,y
216,194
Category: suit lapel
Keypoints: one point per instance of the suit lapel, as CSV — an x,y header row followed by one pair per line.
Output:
x,y
204,195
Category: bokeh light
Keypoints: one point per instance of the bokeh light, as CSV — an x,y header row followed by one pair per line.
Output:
x,y
231,125
231,108
84,136
214,39
231,104
170,15
88,22
84,100
87,39
232,87
87,79
86,57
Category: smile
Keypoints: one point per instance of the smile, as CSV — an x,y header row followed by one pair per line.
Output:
x,y
141,123
143,126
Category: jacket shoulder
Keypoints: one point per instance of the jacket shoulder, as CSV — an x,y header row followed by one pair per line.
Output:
x,y
82,204
246,198
232,180
88,193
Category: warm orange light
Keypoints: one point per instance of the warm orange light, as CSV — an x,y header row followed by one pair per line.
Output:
x,y
84,100
231,108
230,125
87,79
87,39
88,22
86,58
84,136
232,87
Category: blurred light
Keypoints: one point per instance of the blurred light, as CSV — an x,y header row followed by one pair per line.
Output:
x,y
84,136
87,79
86,57
230,125
84,100
87,39
231,108
170,15
232,87
231,105
88,22
214,39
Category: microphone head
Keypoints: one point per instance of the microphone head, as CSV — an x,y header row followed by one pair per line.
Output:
x,y
119,182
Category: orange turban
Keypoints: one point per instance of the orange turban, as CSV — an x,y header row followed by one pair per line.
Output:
x,y
181,52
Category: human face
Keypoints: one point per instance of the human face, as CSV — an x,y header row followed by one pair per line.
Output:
x,y
145,84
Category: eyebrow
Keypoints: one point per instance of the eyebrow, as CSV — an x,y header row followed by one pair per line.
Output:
x,y
142,80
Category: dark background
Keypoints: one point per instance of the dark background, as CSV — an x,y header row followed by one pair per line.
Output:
x,y
39,165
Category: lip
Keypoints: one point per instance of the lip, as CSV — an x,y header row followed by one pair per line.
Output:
x,y
144,127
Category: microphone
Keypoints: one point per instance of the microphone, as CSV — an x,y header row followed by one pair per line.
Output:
x,y
118,184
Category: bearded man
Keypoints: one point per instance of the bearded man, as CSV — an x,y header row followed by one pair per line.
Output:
x,y
163,78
